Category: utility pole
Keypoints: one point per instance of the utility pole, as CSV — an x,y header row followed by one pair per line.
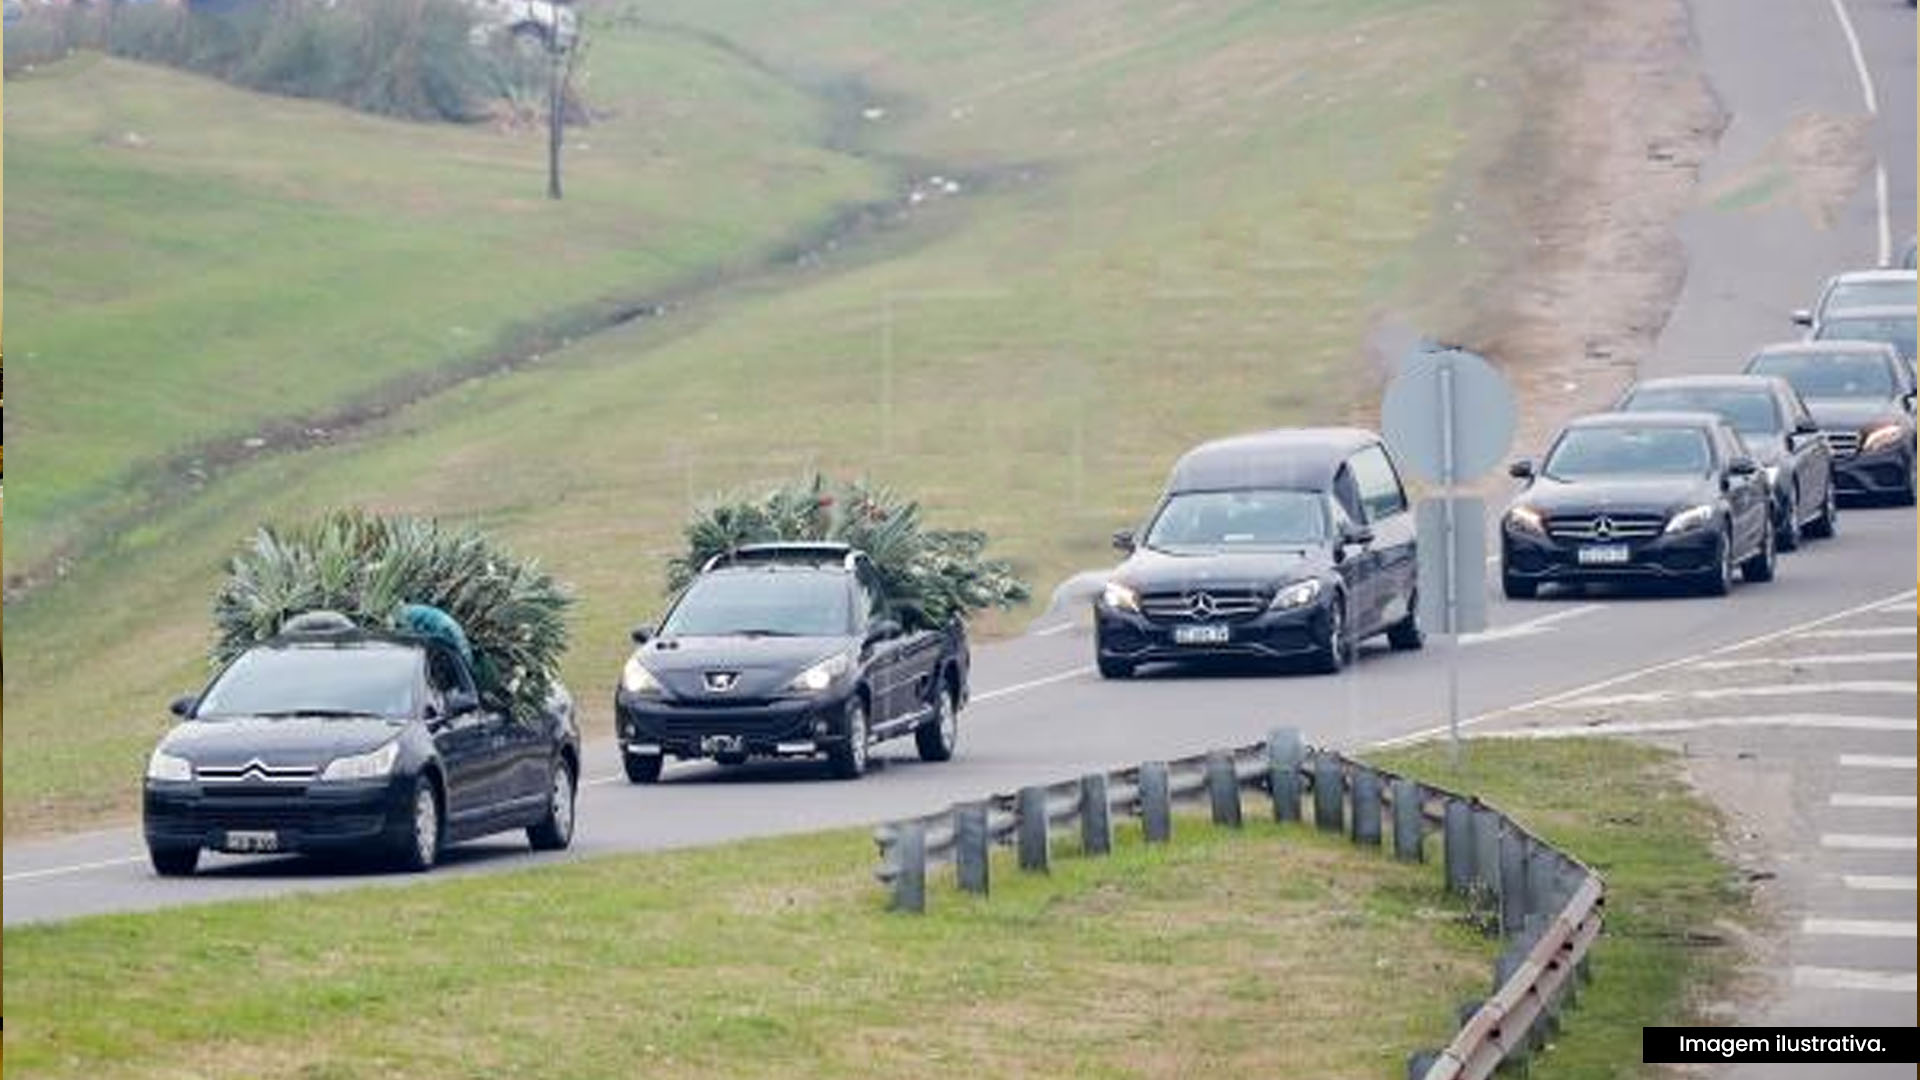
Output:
x,y
562,54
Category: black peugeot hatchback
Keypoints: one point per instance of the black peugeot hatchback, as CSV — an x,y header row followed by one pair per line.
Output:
x,y
1287,544
331,738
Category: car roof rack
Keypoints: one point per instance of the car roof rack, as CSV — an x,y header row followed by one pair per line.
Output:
x,y
803,553
318,622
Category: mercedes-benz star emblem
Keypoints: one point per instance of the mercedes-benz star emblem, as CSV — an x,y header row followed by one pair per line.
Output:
x,y
1201,605
721,681
1603,528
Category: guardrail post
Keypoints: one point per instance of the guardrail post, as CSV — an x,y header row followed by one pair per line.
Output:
x,y
1223,789
1456,828
1486,858
1156,802
1513,881
1096,822
1407,822
1366,806
1033,829
1543,881
1283,773
910,868
971,845
1329,791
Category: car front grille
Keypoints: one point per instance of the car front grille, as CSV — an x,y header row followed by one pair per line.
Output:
x,y
1843,443
256,772
1204,605
746,724
1604,528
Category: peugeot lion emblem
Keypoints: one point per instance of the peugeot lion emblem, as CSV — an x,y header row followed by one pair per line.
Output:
x,y
1201,605
721,681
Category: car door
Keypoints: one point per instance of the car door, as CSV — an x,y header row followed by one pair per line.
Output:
x,y
1394,564
1356,564
881,655
471,739
1747,497
1811,459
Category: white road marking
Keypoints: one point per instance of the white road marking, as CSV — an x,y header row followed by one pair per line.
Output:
x,y
1820,978
1866,842
1814,660
1529,627
1049,631
1885,234
1714,693
1824,721
1898,609
1861,632
1030,684
1877,882
1876,761
1876,928
1851,801
1641,673
56,871
1859,58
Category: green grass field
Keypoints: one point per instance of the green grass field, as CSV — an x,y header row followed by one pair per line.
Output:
x,y
1186,222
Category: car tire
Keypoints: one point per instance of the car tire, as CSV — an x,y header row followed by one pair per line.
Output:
x,y
1517,588
1719,580
1406,634
642,768
1337,651
1113,668
1761,564
1786,535
419,846
936,739
848,758
1824,526
173,861
554,832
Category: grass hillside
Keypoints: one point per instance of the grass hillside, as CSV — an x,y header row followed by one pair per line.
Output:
x,y
1151,225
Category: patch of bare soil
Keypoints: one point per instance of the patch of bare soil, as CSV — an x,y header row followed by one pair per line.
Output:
x,y
1816,162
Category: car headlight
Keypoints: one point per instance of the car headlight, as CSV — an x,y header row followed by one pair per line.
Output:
x,y
1299,594
1880,438
821,675
1527,520
636,679
1772,473
165,766
1121,597
1691,518
367,766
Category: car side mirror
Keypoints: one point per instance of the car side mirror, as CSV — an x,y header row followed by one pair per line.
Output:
x,y
1806,427
1907,400
641,634
1521,470
1123,541
461,702
182,706
1356,536
882,629
1803,317
1742,466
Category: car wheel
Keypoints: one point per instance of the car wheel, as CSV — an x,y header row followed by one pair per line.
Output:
x,y
1337,651
1760,566
936,739
642,768
419,846
1518,588
1406,634
848,759
173,861
1787,531
555,830
1111,668
1824,526
1719,580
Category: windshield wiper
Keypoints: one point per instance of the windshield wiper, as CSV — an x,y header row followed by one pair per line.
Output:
x,y
323,714
760,631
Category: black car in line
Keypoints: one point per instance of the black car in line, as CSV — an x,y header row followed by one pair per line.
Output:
x,y
1862,396
1778,431
1639,497
1893,325
790,650
331,738
1280,545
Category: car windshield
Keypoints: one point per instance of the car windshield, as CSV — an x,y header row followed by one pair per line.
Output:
x,y
327,681
1629,451
1239,519
787,603
1897,332
1870,294
1830,375
1750,412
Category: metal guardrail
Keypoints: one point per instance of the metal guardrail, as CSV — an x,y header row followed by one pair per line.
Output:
x,y
1544,903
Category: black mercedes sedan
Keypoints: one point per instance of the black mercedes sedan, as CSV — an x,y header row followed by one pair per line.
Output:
x,y
1862,396
329,738
1778,431
1281,545
1639,497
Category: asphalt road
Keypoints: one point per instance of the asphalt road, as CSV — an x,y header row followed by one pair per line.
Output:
x,y
1040,714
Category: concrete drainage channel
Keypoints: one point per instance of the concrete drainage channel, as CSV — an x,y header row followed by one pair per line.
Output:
x,y
1545,905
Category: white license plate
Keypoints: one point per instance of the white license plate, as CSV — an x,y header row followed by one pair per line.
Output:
x,y
1201,635
1604,555
722,744
252,842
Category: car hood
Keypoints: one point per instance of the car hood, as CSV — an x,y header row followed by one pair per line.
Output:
x,y
1840,414
761,665
289,741
1627,494
1765,448
1164,571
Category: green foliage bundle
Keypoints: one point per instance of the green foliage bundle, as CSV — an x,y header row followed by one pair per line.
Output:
x,y
366,567
934,574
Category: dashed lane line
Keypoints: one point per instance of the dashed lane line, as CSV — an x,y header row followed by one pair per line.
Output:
x,y
1870,802
1855,632
1812,660
1877,882
1822,978
1873,928
1820,721
1866,842
1715,693
1876,761
57,871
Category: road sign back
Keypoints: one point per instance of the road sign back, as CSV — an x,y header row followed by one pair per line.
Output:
x,y
1447,396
